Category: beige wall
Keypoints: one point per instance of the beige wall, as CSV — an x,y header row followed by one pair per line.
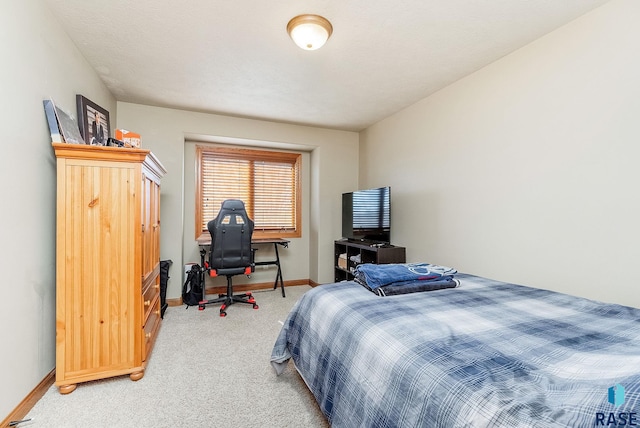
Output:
x,y
527,170
329,168
39,62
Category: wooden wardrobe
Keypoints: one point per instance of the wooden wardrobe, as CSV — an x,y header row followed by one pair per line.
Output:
x,y
107,262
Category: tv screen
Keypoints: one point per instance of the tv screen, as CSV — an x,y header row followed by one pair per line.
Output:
x,y
366,215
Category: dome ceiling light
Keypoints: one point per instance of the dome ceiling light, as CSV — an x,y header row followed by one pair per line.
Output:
x,y
309,32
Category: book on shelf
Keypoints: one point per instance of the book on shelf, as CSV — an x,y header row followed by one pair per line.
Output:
x,y
63,127
50,111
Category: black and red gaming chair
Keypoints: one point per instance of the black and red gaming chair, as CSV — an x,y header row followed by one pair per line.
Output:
x,y
230,253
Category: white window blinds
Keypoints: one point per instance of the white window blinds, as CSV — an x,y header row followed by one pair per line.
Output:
x,y
267,182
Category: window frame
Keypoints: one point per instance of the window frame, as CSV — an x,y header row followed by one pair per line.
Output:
x,y
253,155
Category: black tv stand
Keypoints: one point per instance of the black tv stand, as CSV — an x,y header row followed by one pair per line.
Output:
x,y
349,254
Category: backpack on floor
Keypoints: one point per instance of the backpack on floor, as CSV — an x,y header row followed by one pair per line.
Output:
x,y
164,281
192,288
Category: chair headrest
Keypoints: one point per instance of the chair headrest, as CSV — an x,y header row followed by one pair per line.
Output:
x,y
233,205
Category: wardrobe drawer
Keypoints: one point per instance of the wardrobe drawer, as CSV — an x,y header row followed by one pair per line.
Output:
x,y
150,330
151,293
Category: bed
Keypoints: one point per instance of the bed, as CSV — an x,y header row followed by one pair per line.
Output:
x,y
483,354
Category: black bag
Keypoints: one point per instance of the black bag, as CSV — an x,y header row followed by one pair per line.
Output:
x,y
192,288
164,280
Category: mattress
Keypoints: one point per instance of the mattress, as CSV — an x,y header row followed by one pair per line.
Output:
x,y
483,354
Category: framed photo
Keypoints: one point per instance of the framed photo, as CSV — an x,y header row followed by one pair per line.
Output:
x,y
93,121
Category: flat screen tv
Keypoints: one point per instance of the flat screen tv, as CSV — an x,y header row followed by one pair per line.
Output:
x,y
366,215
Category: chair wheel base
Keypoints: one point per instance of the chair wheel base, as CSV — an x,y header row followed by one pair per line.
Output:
x,y
228,299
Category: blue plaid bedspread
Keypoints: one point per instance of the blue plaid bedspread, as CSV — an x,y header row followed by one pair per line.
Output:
x,y
484,354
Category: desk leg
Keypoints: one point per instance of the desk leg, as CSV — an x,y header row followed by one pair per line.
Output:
x,y
279,273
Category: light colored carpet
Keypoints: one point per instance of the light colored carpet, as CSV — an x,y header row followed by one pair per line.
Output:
x,y
205,371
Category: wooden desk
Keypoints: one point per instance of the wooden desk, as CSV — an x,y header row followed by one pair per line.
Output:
x,y
276,262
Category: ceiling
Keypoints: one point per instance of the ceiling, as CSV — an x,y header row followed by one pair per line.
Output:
x,y
235,57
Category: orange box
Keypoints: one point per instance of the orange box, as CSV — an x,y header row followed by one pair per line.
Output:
x,y
130,139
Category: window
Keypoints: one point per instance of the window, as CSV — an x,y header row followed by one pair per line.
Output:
x,y
268,183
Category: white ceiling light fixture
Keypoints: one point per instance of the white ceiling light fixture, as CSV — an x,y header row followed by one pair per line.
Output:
x,y
309,32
